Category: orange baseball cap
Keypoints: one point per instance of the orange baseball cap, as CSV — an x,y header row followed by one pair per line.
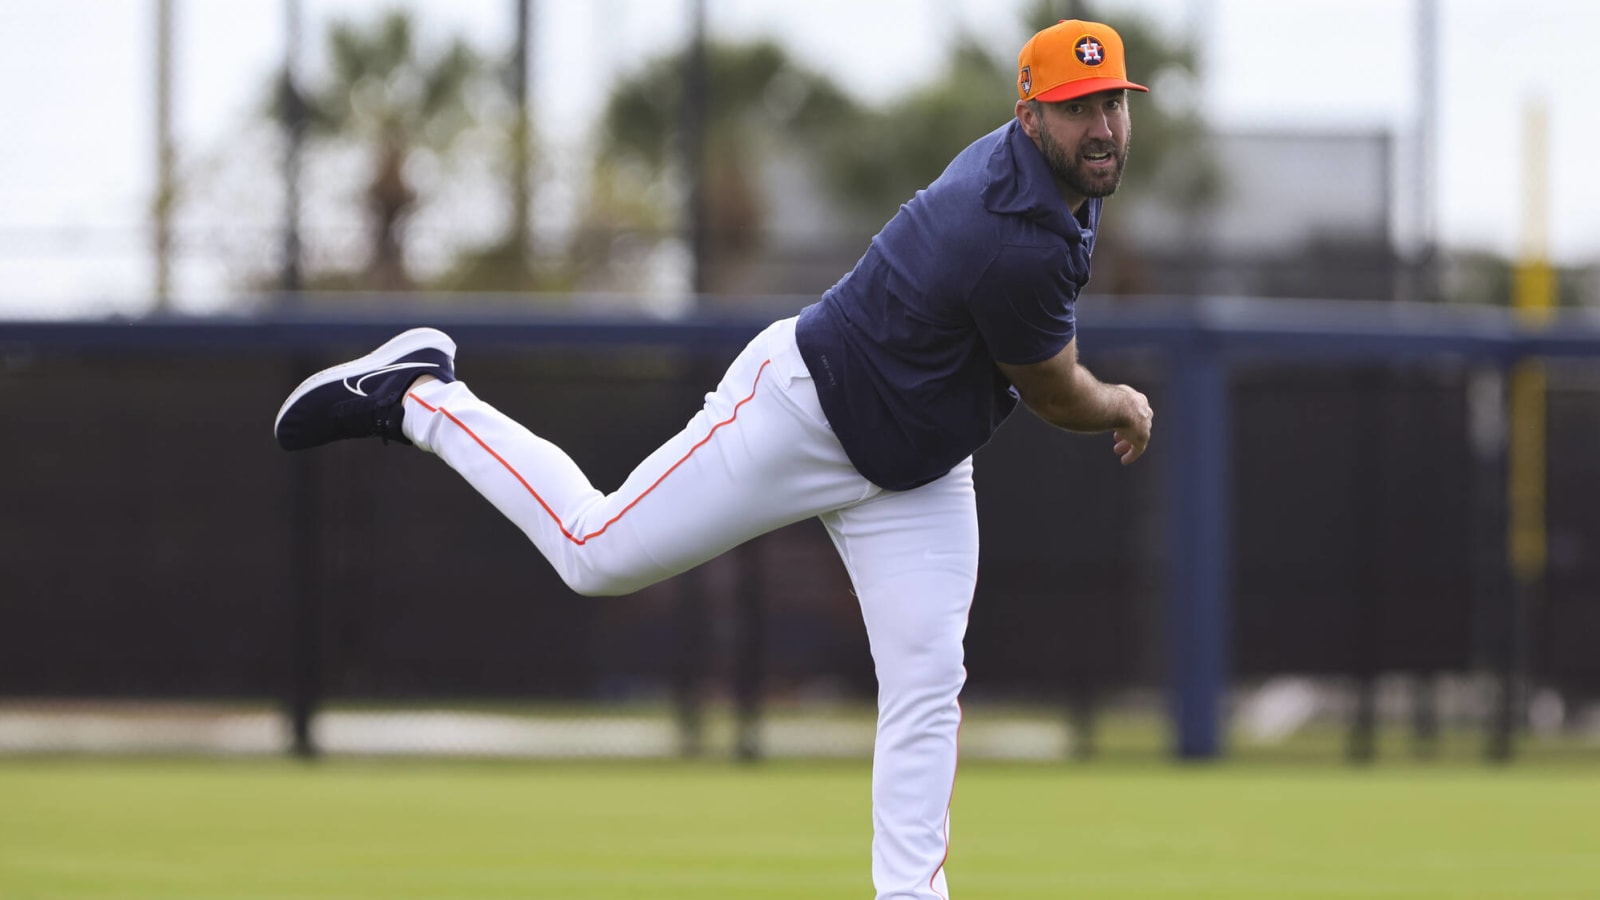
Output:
x,y
1070,59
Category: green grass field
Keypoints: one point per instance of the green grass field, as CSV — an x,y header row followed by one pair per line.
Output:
x,y
342,830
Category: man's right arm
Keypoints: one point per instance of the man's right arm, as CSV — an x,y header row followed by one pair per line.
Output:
x,y
1065,394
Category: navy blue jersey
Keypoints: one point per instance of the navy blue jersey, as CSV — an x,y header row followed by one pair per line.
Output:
x,y
983,266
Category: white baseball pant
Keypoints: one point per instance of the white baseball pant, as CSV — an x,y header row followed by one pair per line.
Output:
x,y
760,455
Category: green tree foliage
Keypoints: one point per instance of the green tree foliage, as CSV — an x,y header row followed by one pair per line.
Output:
x,y
759,99
393,97
878,162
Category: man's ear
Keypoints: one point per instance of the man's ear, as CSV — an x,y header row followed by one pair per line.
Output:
x,y
1026,116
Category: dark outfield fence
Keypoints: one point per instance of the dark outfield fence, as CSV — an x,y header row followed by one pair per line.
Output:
x,y
1325,496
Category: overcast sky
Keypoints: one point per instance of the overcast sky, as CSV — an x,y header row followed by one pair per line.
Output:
x,y
76,88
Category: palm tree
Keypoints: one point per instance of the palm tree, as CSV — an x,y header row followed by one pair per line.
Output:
x,y
760,98
382,91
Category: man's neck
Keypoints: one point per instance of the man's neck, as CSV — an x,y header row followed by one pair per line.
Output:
x,y
1075,201
1082,213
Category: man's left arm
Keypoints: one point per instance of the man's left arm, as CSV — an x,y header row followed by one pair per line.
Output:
x,y
1067,395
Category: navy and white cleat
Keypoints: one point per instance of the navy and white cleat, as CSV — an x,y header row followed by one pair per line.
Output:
x,y
362,398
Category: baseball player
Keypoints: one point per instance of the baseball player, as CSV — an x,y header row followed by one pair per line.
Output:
x,y
864,411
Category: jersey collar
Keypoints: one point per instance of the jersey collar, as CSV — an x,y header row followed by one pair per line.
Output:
x,y
1018,183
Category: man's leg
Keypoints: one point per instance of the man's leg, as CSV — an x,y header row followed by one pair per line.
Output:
x,y
756,457
913,559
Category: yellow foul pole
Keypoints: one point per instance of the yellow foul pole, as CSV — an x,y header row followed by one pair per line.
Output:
x,y
1533,298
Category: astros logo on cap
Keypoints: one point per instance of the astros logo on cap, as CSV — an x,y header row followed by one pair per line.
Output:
x,y
1090,51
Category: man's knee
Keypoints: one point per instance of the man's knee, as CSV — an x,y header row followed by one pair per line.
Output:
x,y
930,672
589,583
590,580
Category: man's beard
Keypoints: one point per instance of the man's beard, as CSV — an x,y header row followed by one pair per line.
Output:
x,y
1071,173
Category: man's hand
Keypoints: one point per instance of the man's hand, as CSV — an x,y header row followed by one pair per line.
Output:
x,y
1134,434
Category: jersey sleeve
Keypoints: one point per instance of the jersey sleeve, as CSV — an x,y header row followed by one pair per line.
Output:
x,y
1023,304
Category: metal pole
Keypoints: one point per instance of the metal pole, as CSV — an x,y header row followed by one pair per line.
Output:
x,y
696,103
1199,243
305,680
749,661
1366,617
305,581
1493,602
291,278
1199,576
521,138
165,188
1424,151
694,646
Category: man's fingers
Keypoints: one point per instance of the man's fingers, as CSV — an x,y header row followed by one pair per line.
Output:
x,y
1130,447
1127,450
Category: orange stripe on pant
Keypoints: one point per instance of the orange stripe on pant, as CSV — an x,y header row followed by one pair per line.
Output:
x,y
580,541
